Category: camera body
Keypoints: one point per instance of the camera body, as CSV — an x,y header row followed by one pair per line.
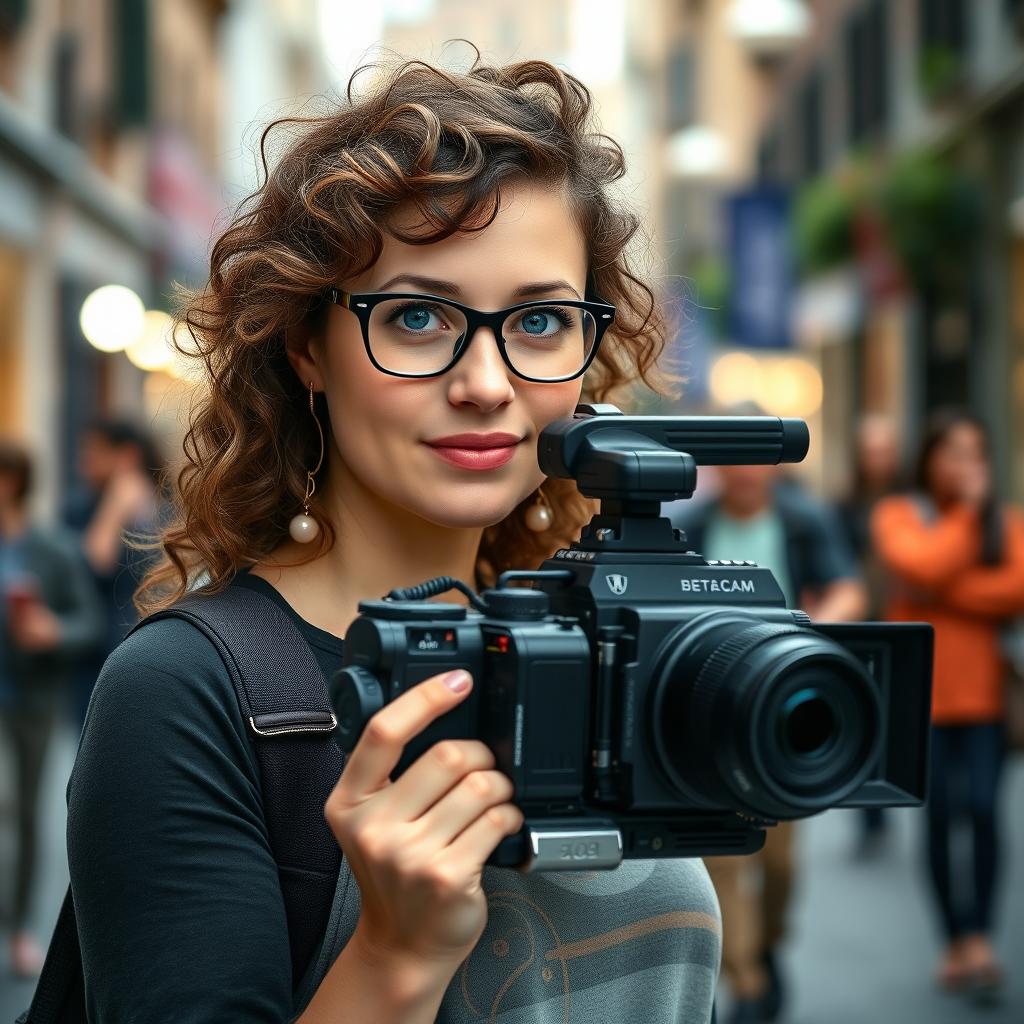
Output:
x,y
644,701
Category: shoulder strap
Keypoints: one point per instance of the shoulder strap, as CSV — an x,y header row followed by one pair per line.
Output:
x,y
283,697
284,702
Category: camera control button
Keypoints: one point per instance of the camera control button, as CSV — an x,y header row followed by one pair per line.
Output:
x,y
356,696
517,604
426,611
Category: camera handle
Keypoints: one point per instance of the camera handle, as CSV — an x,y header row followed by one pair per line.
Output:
x,y
571,845
634,463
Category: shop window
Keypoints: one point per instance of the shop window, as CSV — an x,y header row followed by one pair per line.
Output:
x,y
867,68
811,155
769,157
1015,14
65,93
943,42
132,56
12,15
681,83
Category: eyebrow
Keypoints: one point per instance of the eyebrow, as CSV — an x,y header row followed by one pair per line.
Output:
x,y
437,286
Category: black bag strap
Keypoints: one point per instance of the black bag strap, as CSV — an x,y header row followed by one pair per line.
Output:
x,y
283,697
284,702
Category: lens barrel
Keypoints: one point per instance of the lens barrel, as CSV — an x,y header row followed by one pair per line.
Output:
x,y
770,719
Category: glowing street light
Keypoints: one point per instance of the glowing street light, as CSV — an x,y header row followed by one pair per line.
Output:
x,y
112,317
152,350
697,152
769,28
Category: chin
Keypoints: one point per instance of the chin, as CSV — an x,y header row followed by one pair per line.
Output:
x,y
465,513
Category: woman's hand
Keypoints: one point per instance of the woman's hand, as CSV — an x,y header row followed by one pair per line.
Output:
x,y
417,846
35,629
128,497
974,484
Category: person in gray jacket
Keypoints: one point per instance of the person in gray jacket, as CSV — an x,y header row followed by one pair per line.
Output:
x,y
49,615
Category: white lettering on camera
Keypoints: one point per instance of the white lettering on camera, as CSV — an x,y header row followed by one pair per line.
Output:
x,y
700,585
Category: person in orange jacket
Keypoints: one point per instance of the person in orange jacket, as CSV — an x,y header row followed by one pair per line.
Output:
x,y
956,559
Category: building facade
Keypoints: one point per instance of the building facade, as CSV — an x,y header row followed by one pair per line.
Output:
x,y
108,169
901,122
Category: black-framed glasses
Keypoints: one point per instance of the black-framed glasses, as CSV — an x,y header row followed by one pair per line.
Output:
x,y
412,335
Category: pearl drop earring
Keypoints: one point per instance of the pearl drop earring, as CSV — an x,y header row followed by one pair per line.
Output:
x,y
538,515
303,527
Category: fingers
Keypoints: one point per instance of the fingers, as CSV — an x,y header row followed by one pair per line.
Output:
x,y
433,775
390,729
477,793
477,842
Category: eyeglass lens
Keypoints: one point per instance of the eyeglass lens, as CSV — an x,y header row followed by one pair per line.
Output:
x,y
416,336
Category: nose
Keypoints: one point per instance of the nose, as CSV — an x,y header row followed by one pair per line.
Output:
x,y
481,378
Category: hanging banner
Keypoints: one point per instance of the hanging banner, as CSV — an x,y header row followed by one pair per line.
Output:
x,y
761,268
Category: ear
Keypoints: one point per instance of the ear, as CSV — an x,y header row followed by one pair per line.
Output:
x,y
303,345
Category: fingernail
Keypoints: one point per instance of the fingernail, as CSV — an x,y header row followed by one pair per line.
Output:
x,y
457,681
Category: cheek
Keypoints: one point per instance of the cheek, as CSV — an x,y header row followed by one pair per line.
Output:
x,y
548,402
365,403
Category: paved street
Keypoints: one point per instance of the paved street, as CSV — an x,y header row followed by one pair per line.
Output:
x,y
863,946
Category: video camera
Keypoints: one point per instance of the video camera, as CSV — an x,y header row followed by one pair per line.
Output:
x,y
644,701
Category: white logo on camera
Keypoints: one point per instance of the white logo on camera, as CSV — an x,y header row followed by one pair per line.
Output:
x,y
617,584
699,585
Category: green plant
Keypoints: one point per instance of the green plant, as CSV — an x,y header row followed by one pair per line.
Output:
x,y
940,71
823,225
933,212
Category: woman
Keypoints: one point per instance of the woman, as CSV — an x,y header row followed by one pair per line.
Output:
x,y
49,618
957,560
340,290
124,477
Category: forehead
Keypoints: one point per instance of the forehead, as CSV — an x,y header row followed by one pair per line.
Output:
x,y
964,435
533,236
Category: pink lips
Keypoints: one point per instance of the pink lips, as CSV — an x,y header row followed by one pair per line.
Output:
x,y
476,451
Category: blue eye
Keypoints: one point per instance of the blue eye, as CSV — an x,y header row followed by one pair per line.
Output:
x,y
543,323
535,323
416,318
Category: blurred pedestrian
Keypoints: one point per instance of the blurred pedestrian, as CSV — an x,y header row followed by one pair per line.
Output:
x,y
957,558
49,614
764,517
876,476
122,470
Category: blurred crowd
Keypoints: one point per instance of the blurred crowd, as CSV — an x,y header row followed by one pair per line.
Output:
x,y
931,542
65,603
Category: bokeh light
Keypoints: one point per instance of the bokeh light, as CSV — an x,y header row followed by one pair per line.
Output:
x,y
112,317
780,385
734,379
151,350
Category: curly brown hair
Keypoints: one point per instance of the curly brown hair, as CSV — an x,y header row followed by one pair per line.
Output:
x,y
445,143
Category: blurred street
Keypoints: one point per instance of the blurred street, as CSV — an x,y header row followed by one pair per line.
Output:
x,y
862,944
830,203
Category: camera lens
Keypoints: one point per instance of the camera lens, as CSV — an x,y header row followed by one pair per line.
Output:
x,y
769,719
808,724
